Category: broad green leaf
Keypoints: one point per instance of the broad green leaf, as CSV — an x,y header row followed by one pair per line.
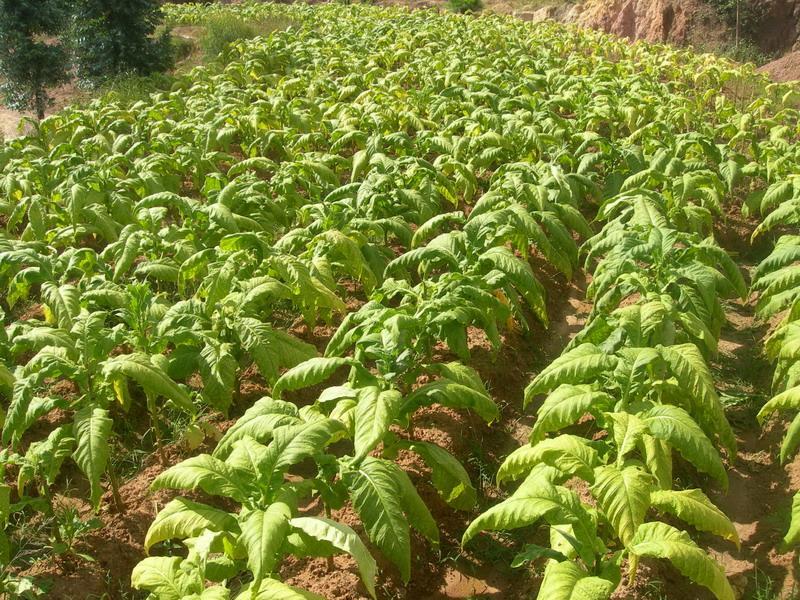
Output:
x,y
92,428
674,425
272,589
152,378
792,537
293,443
204,472
376,496
345,539
694,508
63,301
659,540
567,581
568,453
182,518
448,476
308,373
263,534
565,406
628,430
163,577
532,552
538,499
624,497
452,395
375,412
258,422
581,364
270,348
417,513
692,373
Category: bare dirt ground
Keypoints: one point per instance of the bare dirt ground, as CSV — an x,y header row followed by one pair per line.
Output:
x,y
10,120
786,68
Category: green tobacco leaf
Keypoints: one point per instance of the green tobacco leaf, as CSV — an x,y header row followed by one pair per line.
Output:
x,y
345,539
657,455
532,552
659,540
452,395
310,372
92,429
538,499
568,453
624,496
204,472
448,476
163,577
792,537
375,412
565,405
461,374
218,368
522,276
675,426
64,302
270,348
690,368
581,364
152,378
294,443
628,430
258,422
786,400
272,589
791,441
694,507
414,507
182,518
376,497
567,581
263,534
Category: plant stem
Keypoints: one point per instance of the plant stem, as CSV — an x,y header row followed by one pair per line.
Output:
x,y
153,410
112,474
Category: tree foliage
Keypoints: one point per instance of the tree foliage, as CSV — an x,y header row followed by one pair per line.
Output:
x,y
30,60
117,37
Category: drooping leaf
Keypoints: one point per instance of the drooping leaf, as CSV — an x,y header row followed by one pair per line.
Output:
x,y
694,507
92,427
376,497
345,539
659,540
182,518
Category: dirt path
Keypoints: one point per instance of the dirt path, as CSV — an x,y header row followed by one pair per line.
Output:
x,y
9,122
760,492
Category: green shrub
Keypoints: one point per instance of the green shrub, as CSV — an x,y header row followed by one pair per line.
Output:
x,y
464,6
129,89
222,30
746,51
182,48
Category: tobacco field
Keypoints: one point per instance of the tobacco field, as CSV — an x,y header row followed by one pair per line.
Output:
x,y
405,304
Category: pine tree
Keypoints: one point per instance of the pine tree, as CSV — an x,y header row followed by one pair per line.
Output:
x,y
30,60
116,37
